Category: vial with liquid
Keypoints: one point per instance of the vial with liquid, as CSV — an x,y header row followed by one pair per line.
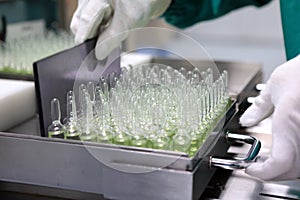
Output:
x,y
150,106
88,128
56,129
71,124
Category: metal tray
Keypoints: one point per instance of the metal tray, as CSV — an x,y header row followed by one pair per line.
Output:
x,y
55,76
75,165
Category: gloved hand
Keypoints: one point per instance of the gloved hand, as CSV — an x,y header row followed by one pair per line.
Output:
x,y
281,97
115,17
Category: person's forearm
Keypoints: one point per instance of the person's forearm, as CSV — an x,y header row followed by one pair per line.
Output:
x,y
184,13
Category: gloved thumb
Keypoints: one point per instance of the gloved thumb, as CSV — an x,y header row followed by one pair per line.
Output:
x,y
284,159
106,46
259,110
89,16
74,25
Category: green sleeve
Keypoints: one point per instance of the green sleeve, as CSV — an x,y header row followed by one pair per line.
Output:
x,y
290,15
184,13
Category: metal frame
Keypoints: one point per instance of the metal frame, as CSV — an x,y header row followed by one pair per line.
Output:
x,y
69,165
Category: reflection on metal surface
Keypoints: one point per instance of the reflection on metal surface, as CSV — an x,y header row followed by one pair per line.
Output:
x,y
239,185
9,190
238,162
284,190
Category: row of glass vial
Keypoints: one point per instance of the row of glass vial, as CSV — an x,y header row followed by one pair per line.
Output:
x,y
150,106
17,56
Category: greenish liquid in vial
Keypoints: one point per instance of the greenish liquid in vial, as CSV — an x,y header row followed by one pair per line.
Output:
x,y
75,136
171,133
56,134
104,139
161,143
138,142
89,138
194,147
121,139
149,144
179,146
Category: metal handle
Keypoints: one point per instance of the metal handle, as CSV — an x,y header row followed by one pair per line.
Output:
x,y
238,162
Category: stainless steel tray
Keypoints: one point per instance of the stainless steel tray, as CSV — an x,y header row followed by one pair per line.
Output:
x,y
73,165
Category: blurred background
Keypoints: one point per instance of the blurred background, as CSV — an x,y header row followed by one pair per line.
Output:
x,y
249,34
54,14
31,30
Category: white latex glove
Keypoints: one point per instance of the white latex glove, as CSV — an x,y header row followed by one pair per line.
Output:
x,y
281,95
117,17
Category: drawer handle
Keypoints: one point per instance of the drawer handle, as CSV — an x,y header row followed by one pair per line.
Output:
x,y
238,162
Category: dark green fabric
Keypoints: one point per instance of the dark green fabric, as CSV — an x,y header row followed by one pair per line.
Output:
x,y
26,10
185,13
290,14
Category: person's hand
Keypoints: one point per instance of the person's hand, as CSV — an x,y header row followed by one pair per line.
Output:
x,y
111,19
281,97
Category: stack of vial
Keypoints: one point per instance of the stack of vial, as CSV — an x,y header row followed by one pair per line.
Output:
x,y
17,56
150,106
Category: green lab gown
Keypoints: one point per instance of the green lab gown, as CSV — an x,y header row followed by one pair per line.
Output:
x,y
184,13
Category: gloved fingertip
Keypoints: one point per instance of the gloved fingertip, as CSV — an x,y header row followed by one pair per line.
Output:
x,y
246,120
78,39
101,54
257,170
253,115
105,47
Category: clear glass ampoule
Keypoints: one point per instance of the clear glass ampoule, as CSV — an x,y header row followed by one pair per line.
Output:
x,y
104,86
137,138
128,125
104,133
225,97
69,107
88,130
183,71
56,129
72,127
91,90
162,141
81,95
181,141
116,105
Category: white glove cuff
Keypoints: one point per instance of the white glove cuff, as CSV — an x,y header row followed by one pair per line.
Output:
x,y
158,7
